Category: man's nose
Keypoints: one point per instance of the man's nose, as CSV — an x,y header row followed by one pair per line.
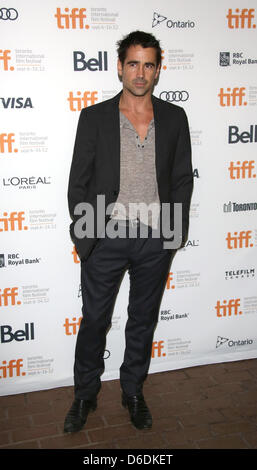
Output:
x,y
140,70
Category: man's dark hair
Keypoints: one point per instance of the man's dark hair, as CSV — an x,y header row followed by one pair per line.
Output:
x,y
139,38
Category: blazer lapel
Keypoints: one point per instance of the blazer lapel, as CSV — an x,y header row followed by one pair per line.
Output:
x,y
159,136
112,130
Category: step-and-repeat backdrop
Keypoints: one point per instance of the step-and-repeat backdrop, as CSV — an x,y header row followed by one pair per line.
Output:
x,y
57,57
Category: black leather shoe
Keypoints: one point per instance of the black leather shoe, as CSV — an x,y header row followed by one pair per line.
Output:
x,y
140,415
78,413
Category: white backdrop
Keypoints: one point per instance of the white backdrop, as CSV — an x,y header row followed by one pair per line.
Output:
x,y
209,308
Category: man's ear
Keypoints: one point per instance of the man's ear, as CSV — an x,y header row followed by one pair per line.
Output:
x,y
119,68
157,72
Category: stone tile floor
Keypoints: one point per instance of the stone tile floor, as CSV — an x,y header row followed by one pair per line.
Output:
x,y
205,407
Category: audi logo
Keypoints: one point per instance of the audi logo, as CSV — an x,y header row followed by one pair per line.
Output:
x,y
174,96
8,14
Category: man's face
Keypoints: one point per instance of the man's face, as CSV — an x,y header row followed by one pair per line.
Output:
x,y
139,70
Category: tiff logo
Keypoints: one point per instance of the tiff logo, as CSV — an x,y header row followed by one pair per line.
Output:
x,y
6,143
232,98
241,20
242,169
239,240
9,297
228,309
12,222
13,365
75,256
157,346
169,279
5,58
78,102
75,19
72,327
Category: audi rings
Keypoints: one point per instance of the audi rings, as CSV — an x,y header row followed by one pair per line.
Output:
x,y
8,14
176,96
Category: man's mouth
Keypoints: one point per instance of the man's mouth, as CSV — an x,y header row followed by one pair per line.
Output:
x,y
140,83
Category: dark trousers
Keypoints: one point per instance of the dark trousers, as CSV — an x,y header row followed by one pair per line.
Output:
x,y
148,265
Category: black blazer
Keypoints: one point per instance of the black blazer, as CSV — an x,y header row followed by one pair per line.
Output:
x,y
95,167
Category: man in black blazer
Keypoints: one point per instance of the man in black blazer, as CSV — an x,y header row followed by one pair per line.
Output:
x,y
133,148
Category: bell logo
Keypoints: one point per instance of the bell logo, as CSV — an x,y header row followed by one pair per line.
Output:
x,y
8,297
239,240
75,19
6,143
14,365
169,279
93,64
241,20
242,169
232,98
87,99
4,59
12,222
72,327
227,309
75,256
234,136
6,334
157,346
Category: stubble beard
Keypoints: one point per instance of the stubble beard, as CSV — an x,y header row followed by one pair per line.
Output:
x,y
138,92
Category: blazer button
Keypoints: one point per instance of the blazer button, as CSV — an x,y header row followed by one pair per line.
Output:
x,y
115,193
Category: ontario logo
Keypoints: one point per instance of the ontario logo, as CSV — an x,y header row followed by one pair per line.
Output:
x,y
157,19
231,343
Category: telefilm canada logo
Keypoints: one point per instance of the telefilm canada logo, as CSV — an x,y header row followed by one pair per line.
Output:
x,y
239,273
171,24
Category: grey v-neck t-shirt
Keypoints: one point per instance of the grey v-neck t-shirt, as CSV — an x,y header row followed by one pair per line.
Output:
x,y
138,183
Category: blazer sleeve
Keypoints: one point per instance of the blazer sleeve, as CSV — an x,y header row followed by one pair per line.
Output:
x,y
182,173
82,170
82,162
